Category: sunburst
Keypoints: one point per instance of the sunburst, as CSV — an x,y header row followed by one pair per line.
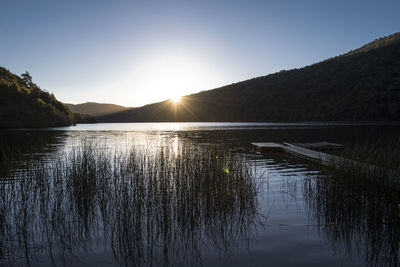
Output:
x,y
175,99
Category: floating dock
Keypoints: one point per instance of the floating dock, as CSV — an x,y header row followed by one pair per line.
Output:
x,y
300,150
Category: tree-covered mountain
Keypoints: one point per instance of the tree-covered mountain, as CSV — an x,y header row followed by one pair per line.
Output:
x,y
24,104
95,109
363,84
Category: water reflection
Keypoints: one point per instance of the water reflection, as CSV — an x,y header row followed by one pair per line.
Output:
x,y
17,147
167,204
188,198
212,126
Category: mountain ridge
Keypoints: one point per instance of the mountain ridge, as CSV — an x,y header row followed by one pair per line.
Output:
x,y
363,84
377,43
95,109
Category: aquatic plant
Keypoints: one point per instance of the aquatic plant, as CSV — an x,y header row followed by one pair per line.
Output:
x,y
356,217
152,204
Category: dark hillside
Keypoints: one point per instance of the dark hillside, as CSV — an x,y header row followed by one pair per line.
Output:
x,y
24,104
363,84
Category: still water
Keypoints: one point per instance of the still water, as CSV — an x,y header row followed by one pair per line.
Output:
x,y
187,194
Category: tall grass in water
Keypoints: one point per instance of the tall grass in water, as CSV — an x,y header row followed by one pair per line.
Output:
x,y
356,217
374,160
380,150
151,205
357,207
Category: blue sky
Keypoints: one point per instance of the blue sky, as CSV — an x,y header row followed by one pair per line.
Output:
x,y
137,52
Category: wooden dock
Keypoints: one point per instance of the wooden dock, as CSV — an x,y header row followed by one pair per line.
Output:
x,y
326,159
300,150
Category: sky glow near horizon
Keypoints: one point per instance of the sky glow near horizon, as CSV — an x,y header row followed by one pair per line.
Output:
x,y
134,53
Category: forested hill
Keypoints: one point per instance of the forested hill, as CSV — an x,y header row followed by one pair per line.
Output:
x,y
24,104
95,109
363,84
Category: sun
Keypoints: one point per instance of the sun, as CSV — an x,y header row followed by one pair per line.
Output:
x,y
175,99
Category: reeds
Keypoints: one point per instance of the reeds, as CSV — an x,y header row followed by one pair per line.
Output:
x,y
356,217
374,160
153,204
381,150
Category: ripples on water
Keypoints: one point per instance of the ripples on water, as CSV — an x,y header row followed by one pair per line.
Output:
x,y
172,197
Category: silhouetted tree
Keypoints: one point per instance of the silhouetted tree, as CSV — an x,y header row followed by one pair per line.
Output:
x,y
27,78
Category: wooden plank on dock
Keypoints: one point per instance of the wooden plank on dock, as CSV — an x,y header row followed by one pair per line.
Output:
x,y
320,145
311,155
268,146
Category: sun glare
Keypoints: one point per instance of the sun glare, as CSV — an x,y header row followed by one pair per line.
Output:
x,y
175,99
169,73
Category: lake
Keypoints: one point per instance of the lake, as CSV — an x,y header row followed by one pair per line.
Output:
x,y
188,194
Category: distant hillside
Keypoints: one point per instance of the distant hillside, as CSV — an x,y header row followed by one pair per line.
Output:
x,y
363,84
24,104
95,109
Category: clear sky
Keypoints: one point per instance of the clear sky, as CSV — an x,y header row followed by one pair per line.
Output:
x,y
137,52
